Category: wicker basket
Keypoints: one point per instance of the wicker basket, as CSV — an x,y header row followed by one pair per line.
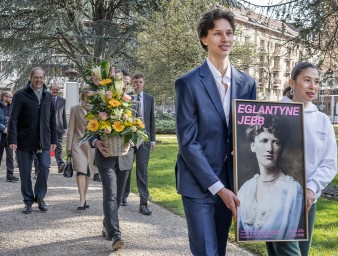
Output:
x,y
115,144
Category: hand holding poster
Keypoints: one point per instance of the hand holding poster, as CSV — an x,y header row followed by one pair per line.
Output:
x,y
269,171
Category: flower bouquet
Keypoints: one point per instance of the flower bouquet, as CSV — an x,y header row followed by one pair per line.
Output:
x,y
112,117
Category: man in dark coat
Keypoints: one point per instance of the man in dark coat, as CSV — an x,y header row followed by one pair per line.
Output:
x,y
5,103
32,129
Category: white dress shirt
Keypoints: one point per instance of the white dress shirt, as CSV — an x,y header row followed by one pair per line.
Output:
x,y
225,97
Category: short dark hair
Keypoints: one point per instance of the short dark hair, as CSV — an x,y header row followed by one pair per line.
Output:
x,y
125,72
273,124
208,22
137,75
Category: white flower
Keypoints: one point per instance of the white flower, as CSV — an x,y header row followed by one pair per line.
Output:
x,y
119,86
102,94
118,113
97,72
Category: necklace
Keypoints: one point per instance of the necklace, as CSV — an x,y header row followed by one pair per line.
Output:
x,y
274,178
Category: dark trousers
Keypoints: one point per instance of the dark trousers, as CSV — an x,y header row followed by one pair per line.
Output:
x,y
208,222
113,185
142,158
9,154
25,159
58,151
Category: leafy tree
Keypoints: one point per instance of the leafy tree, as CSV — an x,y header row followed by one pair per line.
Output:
x,y
48,33
168,46
316,21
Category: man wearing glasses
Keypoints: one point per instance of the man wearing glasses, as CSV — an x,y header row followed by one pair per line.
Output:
x,y
32,129
5,103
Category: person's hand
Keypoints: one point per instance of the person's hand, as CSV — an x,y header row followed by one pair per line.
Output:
x,y
230,200
152,146
126,147
5,131
310,199
13,146
104,150
69,153
52,147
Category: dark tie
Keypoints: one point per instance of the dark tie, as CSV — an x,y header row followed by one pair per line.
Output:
x,y
138,109
54,100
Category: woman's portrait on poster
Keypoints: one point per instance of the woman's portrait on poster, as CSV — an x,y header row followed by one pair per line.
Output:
x,y
272,201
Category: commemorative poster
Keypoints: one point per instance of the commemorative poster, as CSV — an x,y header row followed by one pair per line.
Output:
x,y
269,171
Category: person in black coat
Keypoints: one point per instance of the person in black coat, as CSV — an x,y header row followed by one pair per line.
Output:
x,y
5,103
32,129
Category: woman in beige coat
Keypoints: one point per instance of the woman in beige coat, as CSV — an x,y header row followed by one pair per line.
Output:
x,y
83,156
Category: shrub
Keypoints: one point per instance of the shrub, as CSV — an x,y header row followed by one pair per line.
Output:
x,y
165,126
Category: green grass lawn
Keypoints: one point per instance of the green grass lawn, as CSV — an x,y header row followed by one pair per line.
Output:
x,y
162,189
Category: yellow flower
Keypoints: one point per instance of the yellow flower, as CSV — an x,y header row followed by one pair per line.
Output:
x,y
90,116
128,124
93,125
114,103
105,81
118,126
104,124
128,112
140,123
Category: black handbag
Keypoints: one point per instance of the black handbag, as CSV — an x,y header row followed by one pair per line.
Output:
x,y
68,172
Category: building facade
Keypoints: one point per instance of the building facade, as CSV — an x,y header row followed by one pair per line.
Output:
x,y
274,55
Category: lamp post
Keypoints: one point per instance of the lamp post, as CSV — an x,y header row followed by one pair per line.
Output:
x,y
72,89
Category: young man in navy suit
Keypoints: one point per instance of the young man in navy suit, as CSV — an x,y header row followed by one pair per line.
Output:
x,y
204,168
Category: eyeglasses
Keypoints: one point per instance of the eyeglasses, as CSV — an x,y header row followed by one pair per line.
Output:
x,y
9,96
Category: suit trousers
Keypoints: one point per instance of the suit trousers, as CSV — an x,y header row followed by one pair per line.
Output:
x,y
58,150
113,185
142,159
25,159
121,178
208,221
9,154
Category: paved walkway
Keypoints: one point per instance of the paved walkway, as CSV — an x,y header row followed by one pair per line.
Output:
x,y
65,231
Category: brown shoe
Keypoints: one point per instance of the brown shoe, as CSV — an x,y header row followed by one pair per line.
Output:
x,y
118,243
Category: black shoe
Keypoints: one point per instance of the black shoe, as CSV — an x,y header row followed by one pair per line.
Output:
x,y
118,243
97,177
145,210
62,168
12,178
84,207
27,209
42,204
124,203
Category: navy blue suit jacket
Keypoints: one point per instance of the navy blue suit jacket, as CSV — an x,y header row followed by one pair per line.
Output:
x,y
205,140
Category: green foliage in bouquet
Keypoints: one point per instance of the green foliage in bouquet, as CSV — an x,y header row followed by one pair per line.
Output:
x,y
112,113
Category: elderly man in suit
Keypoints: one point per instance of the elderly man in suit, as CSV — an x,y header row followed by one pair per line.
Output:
x,y
145,109
204,168
61,124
